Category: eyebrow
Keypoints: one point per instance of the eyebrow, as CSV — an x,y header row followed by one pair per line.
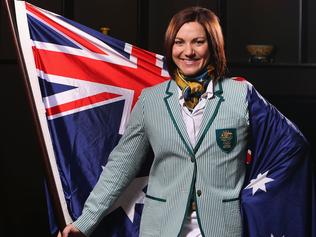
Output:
x,y
196,38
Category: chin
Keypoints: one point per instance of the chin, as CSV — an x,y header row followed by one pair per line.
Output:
x,y
191,73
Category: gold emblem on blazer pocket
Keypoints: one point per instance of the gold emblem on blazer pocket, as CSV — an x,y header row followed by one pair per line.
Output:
x,y
226,139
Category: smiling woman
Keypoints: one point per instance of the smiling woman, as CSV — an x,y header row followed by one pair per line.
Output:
x,y
202,32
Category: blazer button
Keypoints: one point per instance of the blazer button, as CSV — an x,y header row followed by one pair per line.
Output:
x,y
199,192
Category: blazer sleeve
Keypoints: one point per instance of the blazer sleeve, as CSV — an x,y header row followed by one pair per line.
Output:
x,y
123,165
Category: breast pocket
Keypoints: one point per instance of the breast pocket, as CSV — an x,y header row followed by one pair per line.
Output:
x,y
230,133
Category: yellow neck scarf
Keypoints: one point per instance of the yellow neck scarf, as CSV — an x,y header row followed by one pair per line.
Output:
x,y
193,87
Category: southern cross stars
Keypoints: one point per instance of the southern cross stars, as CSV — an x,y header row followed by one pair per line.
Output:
x,y
259,183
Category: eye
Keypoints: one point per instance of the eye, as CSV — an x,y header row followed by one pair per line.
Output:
x,y
178,42
200,42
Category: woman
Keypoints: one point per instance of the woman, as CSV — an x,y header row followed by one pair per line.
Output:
x,y
198,126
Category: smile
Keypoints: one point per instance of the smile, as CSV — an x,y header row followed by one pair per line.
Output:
x,y
189,61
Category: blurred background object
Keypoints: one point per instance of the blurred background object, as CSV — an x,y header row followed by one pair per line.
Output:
x,y
261,53
105,30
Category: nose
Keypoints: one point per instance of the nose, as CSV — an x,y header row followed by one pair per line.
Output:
x,y
189,50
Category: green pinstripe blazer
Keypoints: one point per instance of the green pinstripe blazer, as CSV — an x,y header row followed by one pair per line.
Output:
x,y
212,172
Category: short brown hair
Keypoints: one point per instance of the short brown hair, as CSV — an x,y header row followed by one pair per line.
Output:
x,y
213,30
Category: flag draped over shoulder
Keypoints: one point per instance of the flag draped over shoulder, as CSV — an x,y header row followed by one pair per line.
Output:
x,y
278,199
84,85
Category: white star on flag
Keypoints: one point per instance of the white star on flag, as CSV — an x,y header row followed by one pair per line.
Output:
x,y
132,195
259,183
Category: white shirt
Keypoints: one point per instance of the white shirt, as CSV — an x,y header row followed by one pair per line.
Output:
x,y
193,119
193,122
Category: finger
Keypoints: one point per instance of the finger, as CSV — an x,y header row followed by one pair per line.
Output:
x,y
65,232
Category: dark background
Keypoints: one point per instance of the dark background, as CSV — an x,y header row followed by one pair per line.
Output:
x,y
289,82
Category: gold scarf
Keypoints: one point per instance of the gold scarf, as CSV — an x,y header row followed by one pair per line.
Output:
x,y
193,87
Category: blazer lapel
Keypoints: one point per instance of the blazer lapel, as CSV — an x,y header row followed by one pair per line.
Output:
x,y
210,112
172,103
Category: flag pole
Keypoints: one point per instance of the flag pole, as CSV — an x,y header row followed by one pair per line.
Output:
x,y
60,219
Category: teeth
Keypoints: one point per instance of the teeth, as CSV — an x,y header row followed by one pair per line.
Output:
x,y
189,61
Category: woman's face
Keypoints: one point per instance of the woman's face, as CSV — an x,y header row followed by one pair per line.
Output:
x,y
190,50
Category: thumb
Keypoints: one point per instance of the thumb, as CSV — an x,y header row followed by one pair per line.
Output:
x,y
66,231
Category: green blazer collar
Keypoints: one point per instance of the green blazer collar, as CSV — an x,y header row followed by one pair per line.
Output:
x,y
172,103
212,107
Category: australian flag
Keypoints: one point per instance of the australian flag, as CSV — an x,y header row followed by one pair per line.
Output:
x,y
84,85
278,198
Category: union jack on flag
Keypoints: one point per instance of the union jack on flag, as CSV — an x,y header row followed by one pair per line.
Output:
x,y
84,86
